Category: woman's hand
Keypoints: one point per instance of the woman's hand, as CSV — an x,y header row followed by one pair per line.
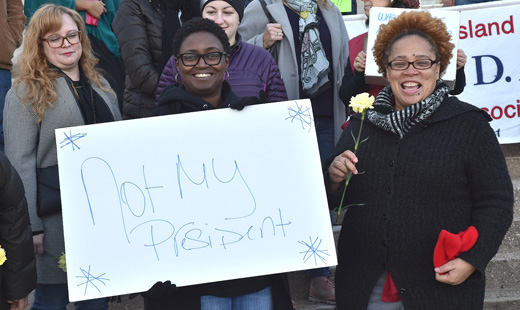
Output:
x,y
38,244
461,59
360,62
20,304
273,33
339,168
93,7
454,272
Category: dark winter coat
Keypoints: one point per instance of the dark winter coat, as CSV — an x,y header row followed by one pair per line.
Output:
x,y
251,69
138,28
18,273
448,172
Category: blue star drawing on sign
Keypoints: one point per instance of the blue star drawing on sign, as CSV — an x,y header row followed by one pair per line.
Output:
x,y
71,139
89,279
313,251
302,114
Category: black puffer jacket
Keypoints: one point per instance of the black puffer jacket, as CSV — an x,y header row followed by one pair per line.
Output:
x,y
18,273
138,28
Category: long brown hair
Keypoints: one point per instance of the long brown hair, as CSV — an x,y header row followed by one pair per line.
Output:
x,y
34,69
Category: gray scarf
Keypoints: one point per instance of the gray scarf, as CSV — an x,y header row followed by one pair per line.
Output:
x,y
399,122
314,63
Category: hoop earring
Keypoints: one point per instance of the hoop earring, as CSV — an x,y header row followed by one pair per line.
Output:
x,y
226,73
175,78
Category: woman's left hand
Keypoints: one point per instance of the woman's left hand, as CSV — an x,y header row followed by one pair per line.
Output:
x,y
461,59
454,272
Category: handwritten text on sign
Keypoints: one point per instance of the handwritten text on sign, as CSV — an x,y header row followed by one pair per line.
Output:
x,y
192,198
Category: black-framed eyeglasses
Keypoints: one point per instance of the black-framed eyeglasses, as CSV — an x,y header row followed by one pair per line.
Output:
x,y
191,59
55,41
420,64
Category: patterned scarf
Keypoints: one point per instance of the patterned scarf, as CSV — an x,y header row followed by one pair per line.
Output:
x,y
399,122
314,63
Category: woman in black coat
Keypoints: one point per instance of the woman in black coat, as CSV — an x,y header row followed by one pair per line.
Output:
x,y
202,57
18,272
430,163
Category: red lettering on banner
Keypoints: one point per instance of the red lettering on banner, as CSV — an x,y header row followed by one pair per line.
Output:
x,y
509,111
486,30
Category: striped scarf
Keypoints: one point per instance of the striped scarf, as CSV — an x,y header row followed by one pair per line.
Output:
x,y
399,122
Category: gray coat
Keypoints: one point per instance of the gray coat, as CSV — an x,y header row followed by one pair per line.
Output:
x,y
253,27
26,154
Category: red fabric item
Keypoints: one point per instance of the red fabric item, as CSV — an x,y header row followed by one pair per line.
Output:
x,y
344,125
390,293
449,245
91,20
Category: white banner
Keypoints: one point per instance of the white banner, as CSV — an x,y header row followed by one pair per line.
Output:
x,y
192,198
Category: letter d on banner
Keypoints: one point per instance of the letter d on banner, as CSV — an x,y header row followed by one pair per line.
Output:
x,y
478,65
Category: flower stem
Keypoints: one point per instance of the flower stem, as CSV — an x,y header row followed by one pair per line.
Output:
x,y
349,173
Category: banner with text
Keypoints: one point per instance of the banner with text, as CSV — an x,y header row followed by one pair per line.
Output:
x,y
192,198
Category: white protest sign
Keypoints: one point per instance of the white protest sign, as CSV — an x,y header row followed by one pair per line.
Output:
x,y
382,15
192,198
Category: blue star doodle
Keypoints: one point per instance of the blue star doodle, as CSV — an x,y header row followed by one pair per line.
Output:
x,y
313,251
302,114
71,139
89,279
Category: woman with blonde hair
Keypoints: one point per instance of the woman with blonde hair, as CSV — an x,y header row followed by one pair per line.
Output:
x,y
57,87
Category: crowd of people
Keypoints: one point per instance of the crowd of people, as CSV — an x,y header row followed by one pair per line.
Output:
x,y
433,162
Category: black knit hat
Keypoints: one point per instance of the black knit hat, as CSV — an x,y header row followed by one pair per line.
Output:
x,y
238,5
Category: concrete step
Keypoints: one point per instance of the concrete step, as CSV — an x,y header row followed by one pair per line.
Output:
x,y
502,299
511,240
503,272
513,164
495,300
304,304
516,188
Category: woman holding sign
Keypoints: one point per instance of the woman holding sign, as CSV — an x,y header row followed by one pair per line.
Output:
x,y
57,87
201,50
430,199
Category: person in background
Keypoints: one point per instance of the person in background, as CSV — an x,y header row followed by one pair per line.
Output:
x,y
431,166
12,23
354,79
309,70
201,50
18,271
145,29
251,68
98,16
58,86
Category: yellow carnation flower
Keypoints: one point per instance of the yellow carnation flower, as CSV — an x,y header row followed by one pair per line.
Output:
x,y
361,102
62,262
3,258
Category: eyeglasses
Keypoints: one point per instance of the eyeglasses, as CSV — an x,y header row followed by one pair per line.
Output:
x,y
55,41
421,64
191,59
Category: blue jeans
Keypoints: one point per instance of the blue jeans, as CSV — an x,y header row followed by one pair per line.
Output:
x,y
261,300
325,136
56,297
5,85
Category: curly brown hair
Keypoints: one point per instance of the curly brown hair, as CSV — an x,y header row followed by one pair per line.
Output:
x,y
419,23
34,69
